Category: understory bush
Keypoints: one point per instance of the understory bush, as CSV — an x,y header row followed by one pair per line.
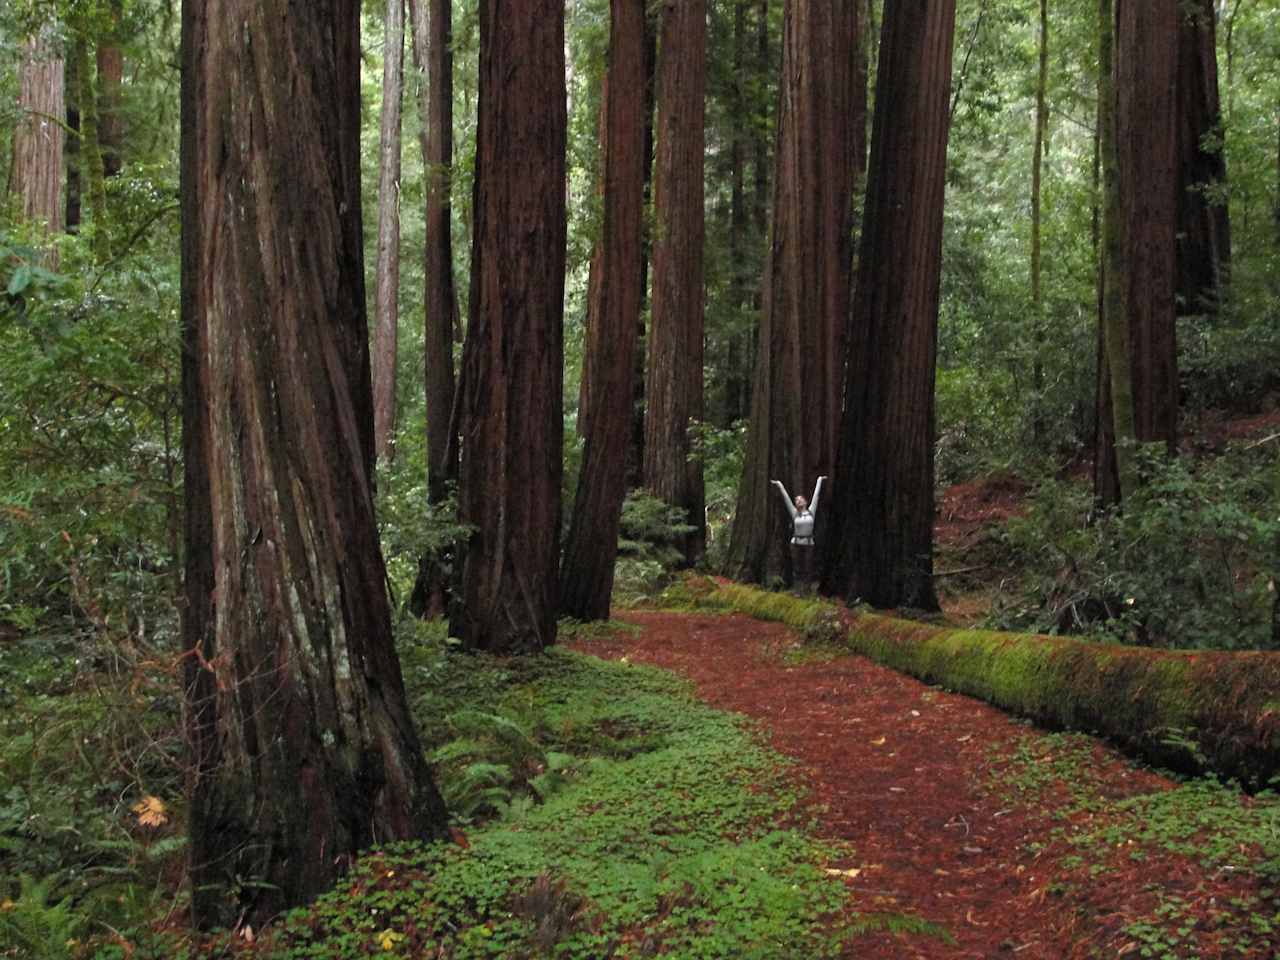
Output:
x,y
649,545
90,439
1187,561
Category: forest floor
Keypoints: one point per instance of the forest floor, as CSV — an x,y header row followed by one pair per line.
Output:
x,y
1014,842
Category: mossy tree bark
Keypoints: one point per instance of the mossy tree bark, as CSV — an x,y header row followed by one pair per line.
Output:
x,y
881,549
795,406
512,374
386,297
673,375
92,171
432,28
304,751
586,575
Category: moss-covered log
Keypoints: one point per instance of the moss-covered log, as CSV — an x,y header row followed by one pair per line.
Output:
x,y
1193,712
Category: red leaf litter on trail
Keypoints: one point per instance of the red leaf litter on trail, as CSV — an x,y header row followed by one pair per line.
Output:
x,y
903,773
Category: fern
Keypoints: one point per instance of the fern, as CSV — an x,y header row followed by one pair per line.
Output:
x,y
897,923
38,926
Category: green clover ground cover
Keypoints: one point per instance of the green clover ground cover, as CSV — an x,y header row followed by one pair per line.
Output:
x,y
1184,872
612,816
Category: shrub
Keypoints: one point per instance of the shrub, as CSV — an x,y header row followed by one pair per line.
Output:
x,y
1184,564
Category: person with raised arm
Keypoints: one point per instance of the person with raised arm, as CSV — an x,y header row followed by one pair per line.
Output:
x,y
803,516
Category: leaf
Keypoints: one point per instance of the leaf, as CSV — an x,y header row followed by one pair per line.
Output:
x,y
851,872
151,811
388,939
20,280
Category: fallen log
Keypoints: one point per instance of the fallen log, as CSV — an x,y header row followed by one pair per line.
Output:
x,y
1191,712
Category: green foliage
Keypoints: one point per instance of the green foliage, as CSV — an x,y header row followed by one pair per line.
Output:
x,y
89,443
38,924
1185,564
648,545
657,837
721,452
410,527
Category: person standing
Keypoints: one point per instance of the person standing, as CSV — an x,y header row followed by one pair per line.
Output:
x,y
803,516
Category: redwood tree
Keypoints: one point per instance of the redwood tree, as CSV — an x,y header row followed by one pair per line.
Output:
x,y
586,576
882,549
110,63
38,137
304,749
432,23
386,298
511,406
1146,118
673,372
795,407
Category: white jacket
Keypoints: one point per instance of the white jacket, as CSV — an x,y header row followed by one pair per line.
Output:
x,y
802,521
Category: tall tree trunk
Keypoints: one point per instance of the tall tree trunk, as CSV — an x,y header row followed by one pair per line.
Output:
x,y
386,296
1037,166
110,62
93,173
304,749
882,544
1146,137
1114,470
586,575
433,58
737,389
1204,225
635,452
71,148
38,137
1141,239
795,408
512,426
596,268
673,376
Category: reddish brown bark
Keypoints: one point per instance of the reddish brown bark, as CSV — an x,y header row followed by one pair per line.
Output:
x,y
110,60
1147,132
304,751
386,298
795,409
37,137
586,576
635,453
433,58
1204,225
673,374
512,426
882,545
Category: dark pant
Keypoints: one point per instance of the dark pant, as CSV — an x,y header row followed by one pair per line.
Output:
x,y
802,564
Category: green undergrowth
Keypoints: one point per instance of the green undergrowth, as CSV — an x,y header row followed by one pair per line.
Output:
x,y
606,813
1186,871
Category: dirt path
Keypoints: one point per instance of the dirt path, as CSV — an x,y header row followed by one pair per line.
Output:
x,y
901,772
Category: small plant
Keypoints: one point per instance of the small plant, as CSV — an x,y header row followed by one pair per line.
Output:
x,y
1184,563
39,924
648,545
